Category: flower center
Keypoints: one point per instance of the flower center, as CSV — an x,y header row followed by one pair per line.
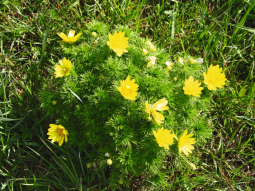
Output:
x,y
127,91
212,81
60,131
116,44
65,70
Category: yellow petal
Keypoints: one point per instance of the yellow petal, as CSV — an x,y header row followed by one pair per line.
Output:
x,y
61,141
71,33
161,105
158,117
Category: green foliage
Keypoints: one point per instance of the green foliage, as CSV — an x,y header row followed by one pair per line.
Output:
x,y
95,114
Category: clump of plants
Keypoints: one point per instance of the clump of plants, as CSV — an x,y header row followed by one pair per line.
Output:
x,y
129,104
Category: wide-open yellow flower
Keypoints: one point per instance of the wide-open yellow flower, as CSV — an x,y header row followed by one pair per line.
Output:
x,y
164,137
71,36
160,105
185,143
118,43
57,133
63,69
214,78
192,87
128,88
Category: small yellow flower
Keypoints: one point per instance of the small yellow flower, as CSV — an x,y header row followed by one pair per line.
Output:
x,y
185,143
175,79
118,43
145,51
63,69
214,78
152,48
160,105
149,43
128,88
71,38
94,34
164,138
57,133
192,87
169,65
152,61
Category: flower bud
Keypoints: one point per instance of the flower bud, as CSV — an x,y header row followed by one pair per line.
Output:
x,y
152,61
190,61
94,164
54,102
145,51
89,165
180,60
175,79
45,86
94,34
199,60
109,161
121,181
169,65
149,43
152,48
192,166
107,154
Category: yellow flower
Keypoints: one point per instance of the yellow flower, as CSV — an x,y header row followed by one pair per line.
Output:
x,y
152,61
169,65
57,133
118,43
128,88
160,105
145,51
152,48
185,143
163,137
63,69
214,78
192,87
149,43
71,38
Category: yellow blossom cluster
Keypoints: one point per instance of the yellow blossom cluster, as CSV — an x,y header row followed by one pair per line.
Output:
x,y
213,79
128,89
164,137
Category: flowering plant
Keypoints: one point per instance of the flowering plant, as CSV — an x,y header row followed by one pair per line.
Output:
x,y
105,101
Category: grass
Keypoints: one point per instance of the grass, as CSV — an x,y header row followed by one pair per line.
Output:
x,y
219,31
